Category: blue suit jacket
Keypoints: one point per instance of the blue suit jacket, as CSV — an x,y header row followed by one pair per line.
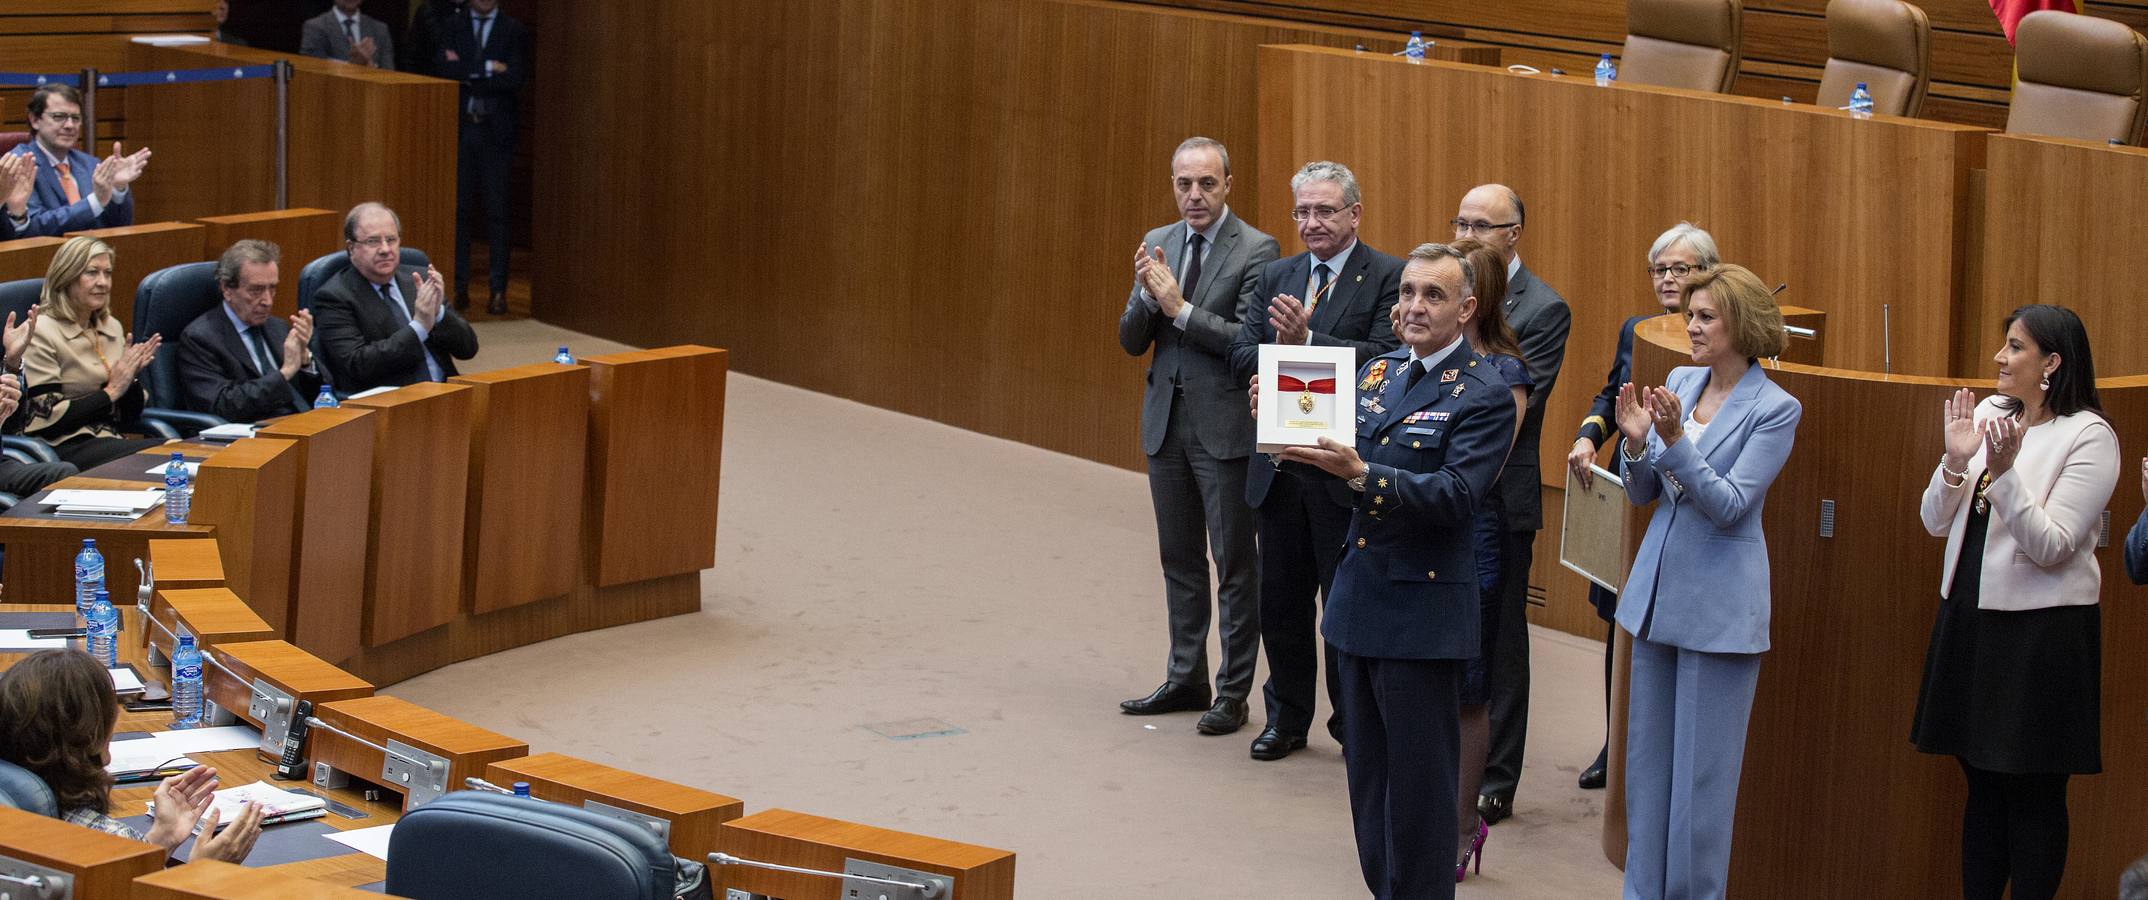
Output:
x,y
50,213
1700,580
1406,587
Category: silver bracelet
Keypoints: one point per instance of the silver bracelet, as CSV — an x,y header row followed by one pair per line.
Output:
x,y
1949,477
1632,459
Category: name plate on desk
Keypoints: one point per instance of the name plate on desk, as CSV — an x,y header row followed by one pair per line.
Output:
x,y
1306,393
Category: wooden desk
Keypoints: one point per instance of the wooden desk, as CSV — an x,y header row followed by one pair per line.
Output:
x,y
694,814
1852,617
2062,225
28,257
303,235
186,563
807,841
212,880
215,142
247,493
41,547
421,455
653,490
328,546
467,748
529,433
143,250
100,864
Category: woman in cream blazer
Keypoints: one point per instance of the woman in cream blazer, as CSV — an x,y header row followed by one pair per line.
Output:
x,y
80,371
2013,674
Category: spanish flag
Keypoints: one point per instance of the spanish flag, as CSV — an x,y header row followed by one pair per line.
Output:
x,y
2010,12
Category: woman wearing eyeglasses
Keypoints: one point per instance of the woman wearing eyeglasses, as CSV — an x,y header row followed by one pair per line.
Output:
x,y
2013,676
1678,254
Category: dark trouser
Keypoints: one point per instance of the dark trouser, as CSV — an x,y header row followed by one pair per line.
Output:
x,y
2013,829
90,451
1201,507
482,166
1401,749
1509,668
1301,540
23,479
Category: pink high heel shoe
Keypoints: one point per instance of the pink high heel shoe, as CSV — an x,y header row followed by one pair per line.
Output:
x,y
1475,854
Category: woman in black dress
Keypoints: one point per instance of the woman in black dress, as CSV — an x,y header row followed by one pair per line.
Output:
x,y
2012,680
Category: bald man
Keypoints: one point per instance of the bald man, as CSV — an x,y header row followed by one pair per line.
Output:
x,y
1493,214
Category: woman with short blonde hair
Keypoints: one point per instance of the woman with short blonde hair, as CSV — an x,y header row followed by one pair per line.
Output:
x,y
80,370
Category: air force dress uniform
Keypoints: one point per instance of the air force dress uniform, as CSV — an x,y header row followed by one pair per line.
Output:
x,y
1404,612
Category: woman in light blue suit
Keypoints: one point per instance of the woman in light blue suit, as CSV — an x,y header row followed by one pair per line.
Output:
x,y
1696,601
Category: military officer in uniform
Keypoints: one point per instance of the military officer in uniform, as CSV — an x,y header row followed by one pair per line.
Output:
x,y
1433,428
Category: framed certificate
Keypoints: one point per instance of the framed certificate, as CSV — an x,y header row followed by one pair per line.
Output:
x,y
1593,534
1306,393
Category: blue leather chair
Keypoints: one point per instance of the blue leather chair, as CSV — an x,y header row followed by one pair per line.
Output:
x,y
18,296
317,273
22,789
164,304
471,845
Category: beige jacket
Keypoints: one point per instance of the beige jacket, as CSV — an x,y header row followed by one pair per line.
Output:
x,y
2046,513
65,380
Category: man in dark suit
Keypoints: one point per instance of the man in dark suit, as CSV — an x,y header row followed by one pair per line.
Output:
x,y
380,323
346,34
72,191
1349,288
1493,213
1433,428
1191,278
237,361
487,52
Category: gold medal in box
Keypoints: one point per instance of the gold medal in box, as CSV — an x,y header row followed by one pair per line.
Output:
x,y
1308,395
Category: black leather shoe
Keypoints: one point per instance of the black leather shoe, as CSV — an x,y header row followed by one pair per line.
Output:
x,y
1493,809
1592,778
498,306
1228,715
1273,744
1168,699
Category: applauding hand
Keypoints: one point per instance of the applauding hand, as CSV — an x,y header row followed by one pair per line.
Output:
x,y
1961,430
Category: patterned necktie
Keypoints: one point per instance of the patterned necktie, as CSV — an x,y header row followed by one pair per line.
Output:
x,y
67,182
350,27
1193,269
1320,289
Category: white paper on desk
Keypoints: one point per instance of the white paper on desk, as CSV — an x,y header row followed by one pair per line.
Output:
x,y
208,740
141,755
193,469
227,432
124,680
369,841
368,393
114,500
170,40
20,639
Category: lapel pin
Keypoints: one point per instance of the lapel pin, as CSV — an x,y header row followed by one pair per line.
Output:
x,y
1449,375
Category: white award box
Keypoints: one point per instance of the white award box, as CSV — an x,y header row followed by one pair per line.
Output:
x,y
1306,393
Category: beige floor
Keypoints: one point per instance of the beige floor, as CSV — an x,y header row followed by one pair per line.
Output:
x,y
880,571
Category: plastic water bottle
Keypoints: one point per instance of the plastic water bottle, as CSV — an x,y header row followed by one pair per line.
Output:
x,y
104,631
89,577
1861,102
563,357
326,399
186,684
522,789
178,491
1605,71
1414,51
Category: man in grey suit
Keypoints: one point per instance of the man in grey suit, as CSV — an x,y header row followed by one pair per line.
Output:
x,y
345,33
1348,289
1191,277
1493,213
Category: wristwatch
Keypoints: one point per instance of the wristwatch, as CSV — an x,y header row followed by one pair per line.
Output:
x,y
1358,484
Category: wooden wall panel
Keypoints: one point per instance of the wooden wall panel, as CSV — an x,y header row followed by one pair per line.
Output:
x,y
1785,41
1852,616
421,456
925,206
248,492
529,433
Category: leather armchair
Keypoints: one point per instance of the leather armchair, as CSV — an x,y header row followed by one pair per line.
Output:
x,y
2080,77
22,789
1690,44
471,845
164,304
1887,45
